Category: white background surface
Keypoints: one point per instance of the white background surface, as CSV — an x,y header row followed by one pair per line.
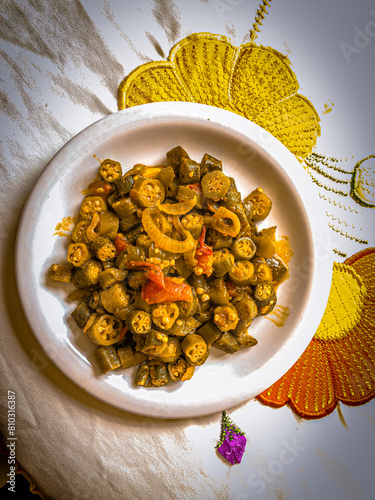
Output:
x,y
60,71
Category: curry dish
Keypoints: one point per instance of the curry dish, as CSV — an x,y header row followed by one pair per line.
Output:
x,y
168,263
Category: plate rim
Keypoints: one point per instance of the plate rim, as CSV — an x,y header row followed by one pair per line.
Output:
x,y
191,111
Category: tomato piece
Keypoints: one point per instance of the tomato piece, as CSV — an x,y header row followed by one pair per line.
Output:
x,y
154,274
123,333
152,293
120,243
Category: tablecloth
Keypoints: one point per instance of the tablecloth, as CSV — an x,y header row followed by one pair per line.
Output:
x,y
61,66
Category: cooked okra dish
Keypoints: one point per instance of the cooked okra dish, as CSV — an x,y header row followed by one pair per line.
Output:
x,y
168,265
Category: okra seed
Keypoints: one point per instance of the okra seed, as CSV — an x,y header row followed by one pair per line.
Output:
x,y
200,290
205,297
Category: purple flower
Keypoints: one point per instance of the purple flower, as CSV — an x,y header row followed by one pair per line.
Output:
x,y
232,442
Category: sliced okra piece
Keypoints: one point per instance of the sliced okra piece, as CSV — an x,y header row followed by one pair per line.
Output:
x,y
247,308
227,343
278,267
129,356
209,332
115,297
142,376
182,327
189,171
110,170
223,262
262,272
138,321
81,314
108,224
260,204
264,293
91,205
194,348
232,196
78,254
193,223
79,234
129,223
147,192
61,272
87,275
174,157
123,185
243,248
140,303
188,308
215,185
218,292
104,329
265,242
242,272
245,339
111,276
180,370
166,176
125,207
171,353
226,317
107,358
104,249
209,163
136,279
165,314
158,373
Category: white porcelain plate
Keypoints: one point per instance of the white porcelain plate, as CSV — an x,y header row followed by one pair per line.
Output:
x,y
254,158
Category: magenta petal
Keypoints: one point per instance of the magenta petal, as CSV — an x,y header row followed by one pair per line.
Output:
x,y
233,449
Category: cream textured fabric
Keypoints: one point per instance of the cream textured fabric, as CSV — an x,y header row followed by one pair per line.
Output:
x,y
61,66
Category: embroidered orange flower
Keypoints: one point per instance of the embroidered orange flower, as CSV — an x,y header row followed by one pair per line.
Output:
x,y
339,363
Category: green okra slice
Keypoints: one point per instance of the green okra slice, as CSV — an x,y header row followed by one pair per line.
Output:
x,y
111,276
209,332
129,356
115,297
180,370
189,171
125,207
104,249
195,349
87,275
107,358
129,223
61,272
138,321
123,185
174,157
110,170
227,343
243,248
210,163
218,292
246,308
81,314
223,262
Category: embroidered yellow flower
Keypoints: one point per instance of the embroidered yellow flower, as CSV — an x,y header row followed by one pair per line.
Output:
x,y
251,80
